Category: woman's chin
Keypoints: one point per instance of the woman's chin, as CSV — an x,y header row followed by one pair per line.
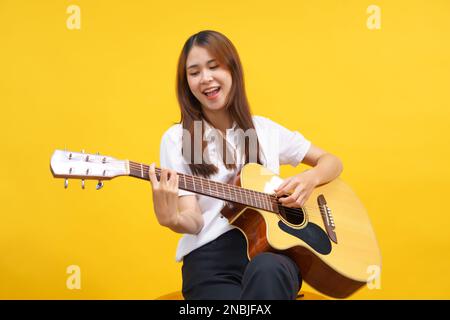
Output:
x,y
212,107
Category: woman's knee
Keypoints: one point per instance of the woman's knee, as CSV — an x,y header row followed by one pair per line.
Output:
x,y
265,262
274,264
271,276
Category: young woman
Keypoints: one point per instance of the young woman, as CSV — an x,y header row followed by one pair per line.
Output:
x,y
212,98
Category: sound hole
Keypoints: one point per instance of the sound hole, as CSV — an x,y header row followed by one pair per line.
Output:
x,y
294,216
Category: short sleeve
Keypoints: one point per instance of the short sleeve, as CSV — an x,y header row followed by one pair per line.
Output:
x,y
292,145
171,156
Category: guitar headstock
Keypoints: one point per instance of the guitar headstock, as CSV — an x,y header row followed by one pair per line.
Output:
x,y
80,165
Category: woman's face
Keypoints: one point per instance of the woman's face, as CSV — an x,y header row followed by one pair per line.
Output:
x,y
209,81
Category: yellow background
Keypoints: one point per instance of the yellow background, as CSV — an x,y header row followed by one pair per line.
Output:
x,y
376,98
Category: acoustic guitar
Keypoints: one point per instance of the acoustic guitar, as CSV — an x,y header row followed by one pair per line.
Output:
x,y
330,238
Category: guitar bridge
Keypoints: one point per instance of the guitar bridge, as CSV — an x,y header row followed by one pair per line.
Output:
x,y
327,217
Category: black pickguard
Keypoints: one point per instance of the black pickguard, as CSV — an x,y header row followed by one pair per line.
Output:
x,y
312,234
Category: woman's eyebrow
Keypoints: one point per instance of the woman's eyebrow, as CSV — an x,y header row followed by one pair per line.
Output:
x,y
196,65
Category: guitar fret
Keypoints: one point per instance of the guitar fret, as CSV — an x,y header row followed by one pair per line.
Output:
x,y
146,172
246,198
193,183
208,187
204,185
264,201
226,192
221,190
240,195
259,202
184,179
269,203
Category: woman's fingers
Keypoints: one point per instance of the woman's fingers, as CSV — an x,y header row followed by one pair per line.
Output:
x,y
297,203
292,198
301,200
173,179
279,190
152,175
164,174
169,179
288,187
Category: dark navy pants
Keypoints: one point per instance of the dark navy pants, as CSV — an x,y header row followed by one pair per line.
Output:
x,y
220,270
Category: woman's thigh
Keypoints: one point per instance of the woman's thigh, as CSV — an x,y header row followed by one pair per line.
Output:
x,y
214,271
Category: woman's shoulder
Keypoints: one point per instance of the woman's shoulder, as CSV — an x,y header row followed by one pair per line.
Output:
x,y
173,133
262,122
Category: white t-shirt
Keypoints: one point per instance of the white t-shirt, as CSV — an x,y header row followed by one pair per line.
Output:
x,y
278,146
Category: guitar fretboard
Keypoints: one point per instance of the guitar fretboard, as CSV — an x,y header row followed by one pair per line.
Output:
x,y
218,190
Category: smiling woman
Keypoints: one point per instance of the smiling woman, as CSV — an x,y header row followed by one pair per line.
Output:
x,y
207,77
208,62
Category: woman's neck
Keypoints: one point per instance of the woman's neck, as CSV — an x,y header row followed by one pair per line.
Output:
x,y
220,119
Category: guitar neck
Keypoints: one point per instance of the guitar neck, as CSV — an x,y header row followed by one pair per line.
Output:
x,y
218,190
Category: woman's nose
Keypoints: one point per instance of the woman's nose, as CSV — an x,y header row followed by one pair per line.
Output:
x,y
206,76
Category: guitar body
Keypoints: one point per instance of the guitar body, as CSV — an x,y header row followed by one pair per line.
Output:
x,y
336,268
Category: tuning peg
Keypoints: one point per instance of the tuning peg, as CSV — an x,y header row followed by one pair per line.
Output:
x,y
66,183
99,185
82,183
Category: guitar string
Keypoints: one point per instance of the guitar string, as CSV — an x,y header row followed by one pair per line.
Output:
x,y
261,196
263,199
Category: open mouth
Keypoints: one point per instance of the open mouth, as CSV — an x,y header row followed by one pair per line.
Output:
x,y
212,93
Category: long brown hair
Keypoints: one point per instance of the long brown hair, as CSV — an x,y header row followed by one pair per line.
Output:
x,y
237,104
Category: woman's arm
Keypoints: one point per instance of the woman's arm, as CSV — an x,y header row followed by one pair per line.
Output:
x,y
189,218
326,167
180,214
